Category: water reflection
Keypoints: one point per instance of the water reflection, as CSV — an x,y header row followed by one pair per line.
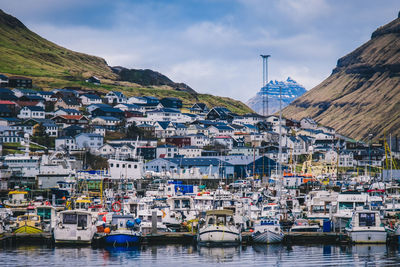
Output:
x,y
177,255
219,254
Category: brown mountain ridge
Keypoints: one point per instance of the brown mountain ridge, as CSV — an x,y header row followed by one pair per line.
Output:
x,y
362,95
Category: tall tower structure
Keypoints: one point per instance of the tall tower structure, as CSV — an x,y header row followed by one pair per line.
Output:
x,y
265,85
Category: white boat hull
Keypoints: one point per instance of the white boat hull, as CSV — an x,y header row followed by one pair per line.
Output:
x,y
68,235
367,236
268,237
219,235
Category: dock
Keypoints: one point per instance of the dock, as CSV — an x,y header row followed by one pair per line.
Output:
x,y
12,239
185,238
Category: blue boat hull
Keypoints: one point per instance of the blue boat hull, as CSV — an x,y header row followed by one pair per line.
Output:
x,y
121,239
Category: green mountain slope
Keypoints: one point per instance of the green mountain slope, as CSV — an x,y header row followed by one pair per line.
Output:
x,y
361,96
23,52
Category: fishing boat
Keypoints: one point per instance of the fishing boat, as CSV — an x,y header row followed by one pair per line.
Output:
x,y
75,227
123,231
303,225
365,227
268,231
29,224
48,217
17,199
219,228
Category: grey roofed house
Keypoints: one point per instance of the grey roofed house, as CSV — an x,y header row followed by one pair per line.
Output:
x,y
199,107
34,108
92,96
164,124
31,98
71,101
165,110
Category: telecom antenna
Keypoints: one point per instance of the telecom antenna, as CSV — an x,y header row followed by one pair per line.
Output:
x,y
264,89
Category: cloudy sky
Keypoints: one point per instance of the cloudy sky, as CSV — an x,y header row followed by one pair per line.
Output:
x,y
212,45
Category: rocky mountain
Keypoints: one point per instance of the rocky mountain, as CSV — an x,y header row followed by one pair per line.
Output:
x,y
290,91
362,95
23,52
149,78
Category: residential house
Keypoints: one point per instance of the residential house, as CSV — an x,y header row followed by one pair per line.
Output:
x,y
190,151
180,129
92,107
119,151
5,111
130,107
51,128
67,102
93,80
164,129
31,112
167,151
110,123
115,97
65,143
164,114
67,111
10,135
99,129
67,120
150,129
244,151
72,130
90,99
7,94
46,95
220,114
171,102
199,108
199,140
108,112
308,123
249,119
89,140
19,82
19,92
224,140
274,121
220,130
3,80
179,141
197,129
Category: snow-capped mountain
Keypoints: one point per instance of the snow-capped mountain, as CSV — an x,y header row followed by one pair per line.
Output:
x,y
290,91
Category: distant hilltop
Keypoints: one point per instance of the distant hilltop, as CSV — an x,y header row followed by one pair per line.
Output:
x,y
290,91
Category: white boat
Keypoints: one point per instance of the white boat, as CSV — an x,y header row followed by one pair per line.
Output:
x,y
268,231
365,227
219,228
75,227
347,202
302,225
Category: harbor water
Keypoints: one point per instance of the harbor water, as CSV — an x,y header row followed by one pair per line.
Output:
x,y
178,255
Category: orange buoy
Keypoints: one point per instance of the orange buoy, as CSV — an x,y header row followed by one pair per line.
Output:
x,y
107,230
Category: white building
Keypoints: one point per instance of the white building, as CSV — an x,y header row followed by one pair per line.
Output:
x,y
167,151
115,97
164,114
31,112
89,140
65,143
89,99
190,151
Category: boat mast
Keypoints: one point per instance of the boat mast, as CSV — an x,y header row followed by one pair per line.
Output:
x,y
280,143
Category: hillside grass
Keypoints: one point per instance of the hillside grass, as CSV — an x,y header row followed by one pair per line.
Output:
x,y
23,52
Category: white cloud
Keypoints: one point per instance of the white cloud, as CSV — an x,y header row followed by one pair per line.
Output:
x,y
217,53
